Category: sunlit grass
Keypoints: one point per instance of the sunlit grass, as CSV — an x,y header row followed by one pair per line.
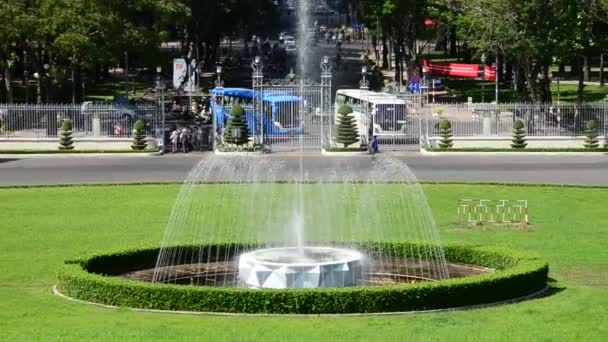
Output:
x,y
43,226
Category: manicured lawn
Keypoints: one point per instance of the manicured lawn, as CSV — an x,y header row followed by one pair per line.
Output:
x,y
43,226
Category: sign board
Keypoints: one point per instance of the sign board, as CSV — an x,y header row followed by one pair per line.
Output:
x,y
180,74
489,73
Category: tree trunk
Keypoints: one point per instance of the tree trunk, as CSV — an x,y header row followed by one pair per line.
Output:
x,y
508,71
39,89
545,85
602,82
384,53
586,68
398,71
453,42
581,79
8,83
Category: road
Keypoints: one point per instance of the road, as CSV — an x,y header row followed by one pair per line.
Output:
x,y
581,170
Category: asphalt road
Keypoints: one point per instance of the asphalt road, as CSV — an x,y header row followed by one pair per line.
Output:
x,y
582,170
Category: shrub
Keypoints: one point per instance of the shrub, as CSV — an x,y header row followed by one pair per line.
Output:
x,y
591,134
515,275
347,127
66,142
237,131
445,131
437,112
139,136
519,136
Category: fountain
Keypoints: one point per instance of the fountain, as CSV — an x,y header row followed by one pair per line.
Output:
x,y
284,225
309,237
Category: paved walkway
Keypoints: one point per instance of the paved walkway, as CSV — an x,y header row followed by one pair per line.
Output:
x,y
582,170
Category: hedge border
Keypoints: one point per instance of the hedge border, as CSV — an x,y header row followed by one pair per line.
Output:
x,y
517,275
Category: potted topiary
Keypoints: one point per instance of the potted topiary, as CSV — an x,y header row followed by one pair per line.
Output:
x,y
445,132
139,136
237,131
65,141
519,136
591,142
347,128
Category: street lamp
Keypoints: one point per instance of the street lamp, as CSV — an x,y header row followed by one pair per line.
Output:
x,y
38,95
219,83
258,88
46,77
160,89
483,84
364,84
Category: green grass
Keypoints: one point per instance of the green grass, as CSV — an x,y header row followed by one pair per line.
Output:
x,y
461,89
43,226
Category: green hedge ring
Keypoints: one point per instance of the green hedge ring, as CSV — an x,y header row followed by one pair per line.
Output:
x,y
516,275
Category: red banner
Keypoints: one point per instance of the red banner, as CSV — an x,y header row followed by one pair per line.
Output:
x,y
489,73
451,69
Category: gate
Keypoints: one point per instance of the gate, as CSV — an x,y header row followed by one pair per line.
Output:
x,y
292,113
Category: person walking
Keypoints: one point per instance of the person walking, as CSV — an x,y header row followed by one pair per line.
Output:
x,y
184,139
373,148
174,140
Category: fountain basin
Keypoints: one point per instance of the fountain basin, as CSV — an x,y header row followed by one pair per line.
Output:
x,y
306,267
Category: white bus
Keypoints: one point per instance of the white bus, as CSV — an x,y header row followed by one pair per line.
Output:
x,y
380,114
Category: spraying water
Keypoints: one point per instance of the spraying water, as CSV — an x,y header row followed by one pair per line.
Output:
x,y
304,224
303,36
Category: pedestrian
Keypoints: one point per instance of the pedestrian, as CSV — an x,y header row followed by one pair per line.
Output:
x,y
183,138
118,131
373,148
174,140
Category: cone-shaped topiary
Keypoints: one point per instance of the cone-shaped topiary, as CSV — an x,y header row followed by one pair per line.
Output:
x,y
139,136
237,131
65,140
445,132
592,141
519,136
347,127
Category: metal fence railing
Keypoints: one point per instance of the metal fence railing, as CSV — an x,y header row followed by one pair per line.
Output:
x,y
88,120
540,120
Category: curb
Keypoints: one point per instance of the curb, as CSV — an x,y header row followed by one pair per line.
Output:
x,y
78,155
537,294
326,153
493,154
238,154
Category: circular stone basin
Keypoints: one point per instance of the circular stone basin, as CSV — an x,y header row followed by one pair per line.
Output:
x,y
306,267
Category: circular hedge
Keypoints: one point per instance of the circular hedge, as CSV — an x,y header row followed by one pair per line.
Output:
x,y
516,275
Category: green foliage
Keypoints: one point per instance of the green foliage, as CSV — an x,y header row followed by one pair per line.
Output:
x,y
237,124
65,136
139,136
591,135
445,132
347,127
516,275
519,136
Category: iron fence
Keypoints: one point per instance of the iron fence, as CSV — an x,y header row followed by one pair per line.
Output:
x,y
88,120
540,120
